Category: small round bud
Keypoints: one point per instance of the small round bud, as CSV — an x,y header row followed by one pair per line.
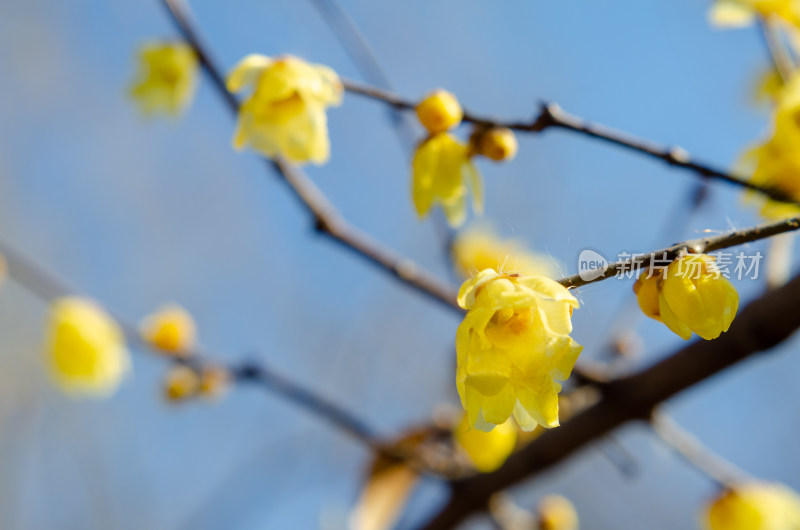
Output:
x,y
172,330
497,143
439,111
214,381
181,383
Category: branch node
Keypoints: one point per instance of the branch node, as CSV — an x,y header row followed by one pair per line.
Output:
x,y
677,156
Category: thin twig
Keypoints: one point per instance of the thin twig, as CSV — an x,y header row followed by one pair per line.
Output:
x,y
330,222
327,219
687,446
553,116
46,285
781,58
358,48
700,245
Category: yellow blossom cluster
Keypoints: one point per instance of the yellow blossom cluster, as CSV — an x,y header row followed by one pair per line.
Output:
x,y
513,349
442,170
690,295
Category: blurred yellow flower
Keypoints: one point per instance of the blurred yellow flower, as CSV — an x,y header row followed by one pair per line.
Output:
x,y
738,13
690,296
486,450
85,348
775,163
513,347
443,173
284,115
440,111
171,329
496,143
214,381
181,383
478,247
557,513
754,506
166,79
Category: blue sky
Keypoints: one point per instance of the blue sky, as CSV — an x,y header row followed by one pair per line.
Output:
x,y
140,212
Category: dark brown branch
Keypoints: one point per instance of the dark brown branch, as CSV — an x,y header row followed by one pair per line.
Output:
x,y
552,116
327,219
763,324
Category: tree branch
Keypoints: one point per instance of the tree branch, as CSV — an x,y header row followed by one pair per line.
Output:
x,y
552,116
699,245
763,324
46,285
690,449
327,219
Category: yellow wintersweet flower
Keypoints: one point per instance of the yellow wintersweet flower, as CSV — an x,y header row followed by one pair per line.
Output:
x,y
755,506
478,248
738,13
440,111
557,513
496,143
443,173
85,348
513,347
166,78
486,450
691,295
171,329
284,115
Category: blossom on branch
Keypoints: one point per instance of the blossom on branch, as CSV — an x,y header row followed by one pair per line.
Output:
x,y
443,173
440,111
513,348
754,506
171,329
284,114
85,348
478,248
166,79
689,296
496,143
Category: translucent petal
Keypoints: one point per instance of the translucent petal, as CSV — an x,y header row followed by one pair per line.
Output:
x,y
247,71
541,405
672,322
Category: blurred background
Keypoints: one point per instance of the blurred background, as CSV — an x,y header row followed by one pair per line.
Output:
x,y
138,212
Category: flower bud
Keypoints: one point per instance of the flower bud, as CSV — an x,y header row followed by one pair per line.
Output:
x,y
439,111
